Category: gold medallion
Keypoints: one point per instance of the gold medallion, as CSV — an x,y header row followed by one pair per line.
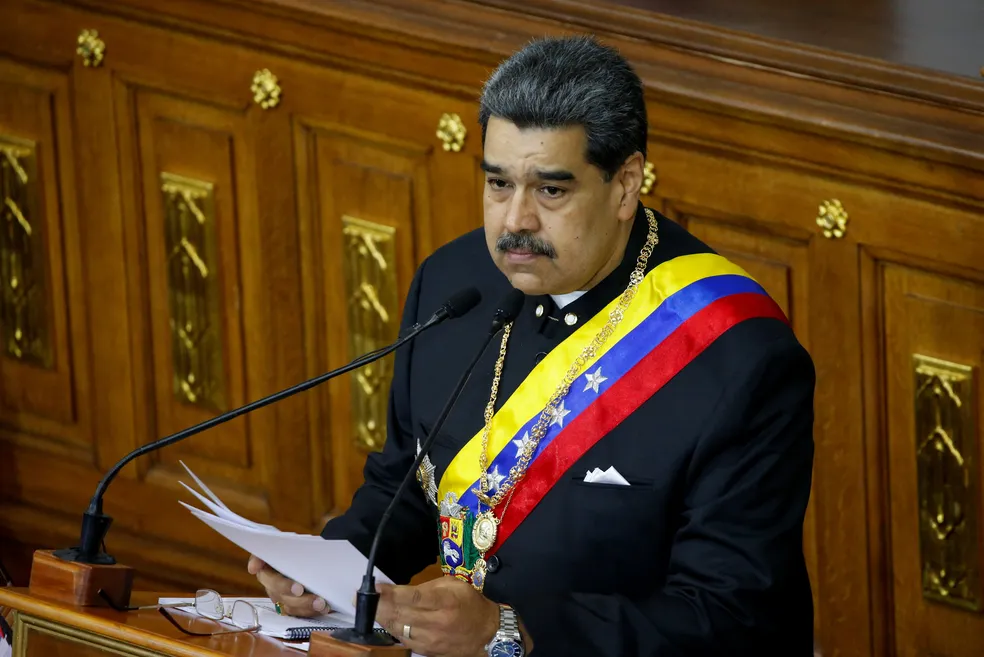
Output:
x,y
484,531
478,574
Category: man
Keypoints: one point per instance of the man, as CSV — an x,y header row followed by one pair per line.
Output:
x,y
641,486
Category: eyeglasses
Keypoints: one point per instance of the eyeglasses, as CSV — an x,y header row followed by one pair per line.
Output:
x,y
208,604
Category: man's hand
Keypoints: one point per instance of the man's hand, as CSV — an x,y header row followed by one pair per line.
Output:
x,y
291,596
447,617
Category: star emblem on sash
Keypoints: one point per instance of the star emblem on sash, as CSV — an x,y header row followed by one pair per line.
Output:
x,y
559,414
425,475
521,444
495,479
594,380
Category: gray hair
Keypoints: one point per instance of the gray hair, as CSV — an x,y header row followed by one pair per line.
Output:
x,y
568,81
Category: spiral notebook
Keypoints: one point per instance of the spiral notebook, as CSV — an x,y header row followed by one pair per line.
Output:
x,y
304,633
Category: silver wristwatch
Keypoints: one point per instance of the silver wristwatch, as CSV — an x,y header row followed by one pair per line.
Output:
x,y
508,641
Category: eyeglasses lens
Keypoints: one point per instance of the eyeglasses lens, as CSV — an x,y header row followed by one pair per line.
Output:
x,y
244,615
209,604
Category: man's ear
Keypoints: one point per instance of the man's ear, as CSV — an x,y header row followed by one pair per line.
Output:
x,y
630,177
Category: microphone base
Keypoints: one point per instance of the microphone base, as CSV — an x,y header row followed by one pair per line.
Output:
x,y
349,643
55,576
76,555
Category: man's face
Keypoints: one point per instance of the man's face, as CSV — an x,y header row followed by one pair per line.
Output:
x,y
552,223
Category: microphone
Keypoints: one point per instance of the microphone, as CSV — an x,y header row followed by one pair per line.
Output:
x,y
367,598
95,523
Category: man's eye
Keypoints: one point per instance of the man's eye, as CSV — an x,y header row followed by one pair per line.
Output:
x,y
496,183
552,192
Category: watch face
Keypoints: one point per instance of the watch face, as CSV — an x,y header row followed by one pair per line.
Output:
x,y
505,648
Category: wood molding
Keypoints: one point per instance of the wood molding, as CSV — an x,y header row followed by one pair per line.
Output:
x,y
929,116
784,57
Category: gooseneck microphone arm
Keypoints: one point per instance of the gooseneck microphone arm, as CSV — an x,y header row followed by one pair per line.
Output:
x,y
95,523
367,598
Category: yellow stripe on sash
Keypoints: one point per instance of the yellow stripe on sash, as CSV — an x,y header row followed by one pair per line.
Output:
x,y
532,395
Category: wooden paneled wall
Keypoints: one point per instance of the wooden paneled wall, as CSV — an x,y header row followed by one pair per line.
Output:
x,y
207,201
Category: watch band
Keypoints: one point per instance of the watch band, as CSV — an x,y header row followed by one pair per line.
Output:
x,y
509,623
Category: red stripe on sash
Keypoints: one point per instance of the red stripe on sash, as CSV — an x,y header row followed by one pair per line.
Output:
x,y
629,393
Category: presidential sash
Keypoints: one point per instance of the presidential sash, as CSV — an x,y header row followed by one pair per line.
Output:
x,y
680,307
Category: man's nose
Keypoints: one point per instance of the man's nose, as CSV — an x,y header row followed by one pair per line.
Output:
x,y
522,215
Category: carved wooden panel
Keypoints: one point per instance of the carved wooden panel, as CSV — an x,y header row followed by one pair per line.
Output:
x,y
43,381
203,297
934,348
37,642
190,213
194,301
369,254
946,451
368,197
24,325
386,173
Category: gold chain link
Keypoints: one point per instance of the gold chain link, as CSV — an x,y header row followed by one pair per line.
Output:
x,y
587,354
490,407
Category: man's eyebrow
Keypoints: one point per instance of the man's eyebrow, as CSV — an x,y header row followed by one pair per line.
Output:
x,y
554,175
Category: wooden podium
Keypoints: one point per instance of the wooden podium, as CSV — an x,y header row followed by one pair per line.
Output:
x,y
51,622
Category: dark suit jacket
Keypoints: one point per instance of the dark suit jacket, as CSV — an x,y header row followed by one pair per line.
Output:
x,y
701,555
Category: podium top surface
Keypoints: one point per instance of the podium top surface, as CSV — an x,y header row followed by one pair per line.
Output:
x,y
147,628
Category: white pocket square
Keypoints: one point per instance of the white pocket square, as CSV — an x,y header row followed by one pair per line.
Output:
x,y
609,476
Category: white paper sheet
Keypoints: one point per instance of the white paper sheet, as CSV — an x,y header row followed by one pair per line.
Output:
x,y
201,484
332,569
226,514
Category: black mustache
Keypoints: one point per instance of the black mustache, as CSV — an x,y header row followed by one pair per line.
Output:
x,y
524,242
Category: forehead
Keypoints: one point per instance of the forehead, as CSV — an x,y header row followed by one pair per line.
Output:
x,y
515,149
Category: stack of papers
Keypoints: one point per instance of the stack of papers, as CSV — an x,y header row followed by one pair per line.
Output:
x,y
332,569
